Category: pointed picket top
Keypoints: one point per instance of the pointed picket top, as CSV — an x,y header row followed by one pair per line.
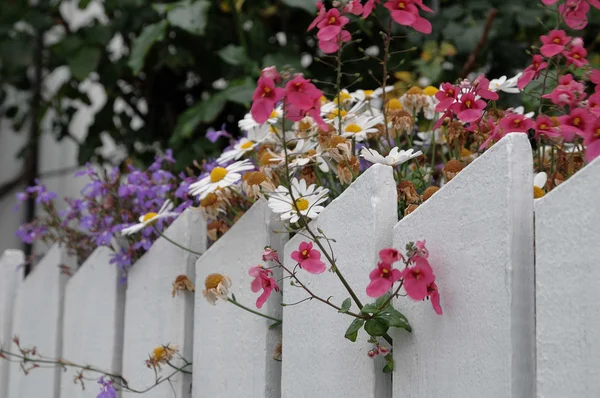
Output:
x,y
11,276
479,232
567,242
234,349
152,317
93,321
317,359
38,322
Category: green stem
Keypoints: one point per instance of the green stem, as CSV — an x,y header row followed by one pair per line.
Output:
x,y
176,244
234,302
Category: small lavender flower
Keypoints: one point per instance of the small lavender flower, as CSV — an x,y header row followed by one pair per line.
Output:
x,y
213,135
106,388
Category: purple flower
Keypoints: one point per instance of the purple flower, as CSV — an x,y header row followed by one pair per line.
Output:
x,y
22,196
106,388
213,135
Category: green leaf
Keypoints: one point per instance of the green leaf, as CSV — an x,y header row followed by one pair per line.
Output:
x,y
346,305
282,59
202,112
307,5
142,44
389,366
240,91
382,299
352,331
376,327
393,318
190,16
370,309
83,4
84,62
233,55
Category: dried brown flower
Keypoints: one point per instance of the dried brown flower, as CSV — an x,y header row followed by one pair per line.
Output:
x,y
428,193
406,190
182,282
452,168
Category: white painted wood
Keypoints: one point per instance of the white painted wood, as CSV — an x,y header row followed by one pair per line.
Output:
x,y
152,317
11,276
38,322
93,322
233,349
567,241
479,231
317,360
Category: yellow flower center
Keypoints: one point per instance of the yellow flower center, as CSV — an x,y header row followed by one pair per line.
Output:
x,y
384,272
302,204
543,126
597,133
430,90
148,216
337,112
217,174
212,281
304,253
394,103
369,93
332,20
209,200
341,97
576,121
468,104
415,90
274,114
401,5
353,128
303,126
160,353
245,145
516,122
538,192
556,41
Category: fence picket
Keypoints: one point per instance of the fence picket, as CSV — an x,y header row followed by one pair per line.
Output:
x,y
233,349
317,360
93,322
152,317
38,322
567,241
11,276
479,230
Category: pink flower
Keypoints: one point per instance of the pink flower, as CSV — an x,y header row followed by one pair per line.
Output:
x,y
320,16
447,96
545,126
554,43
264,99
269,254
532,71
515,123
270,72
354,7
389,255
591,139
495,133
595,76
576,122
468,109
434,296
549,2
331,25
482,86
421,249
568,92
594,104
300,92
309,259
576,56
405,12
368,7
295,114
332,45
382,279
262,280
574,13
417,278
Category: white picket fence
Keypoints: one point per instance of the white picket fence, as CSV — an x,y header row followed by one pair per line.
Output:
x,y
517,322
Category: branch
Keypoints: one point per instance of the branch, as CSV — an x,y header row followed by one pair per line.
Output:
x,y
470,64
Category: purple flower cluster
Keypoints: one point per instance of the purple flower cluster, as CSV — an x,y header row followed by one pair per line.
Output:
x,y
106,388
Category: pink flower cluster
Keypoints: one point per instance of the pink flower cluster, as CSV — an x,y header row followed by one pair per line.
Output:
x,y
580,113
464,100
299,95
574,12
417,277
262,280
331,22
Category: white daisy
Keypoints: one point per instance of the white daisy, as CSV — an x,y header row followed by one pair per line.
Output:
x,y
506,85
539,182
359,126
521,111
248,121
220,177
394,158
150,218
242,147
216,287
306,199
